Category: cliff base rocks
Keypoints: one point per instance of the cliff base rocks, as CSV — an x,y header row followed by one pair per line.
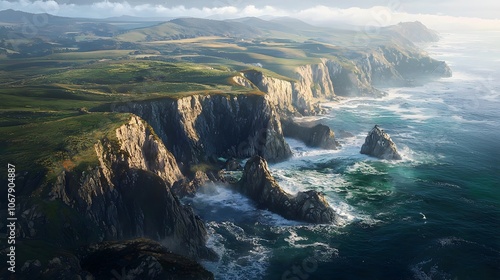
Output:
x,y
258,184
132,259
379,144
140,259
320,135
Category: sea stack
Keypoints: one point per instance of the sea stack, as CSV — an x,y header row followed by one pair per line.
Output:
x,y
258,184
379,144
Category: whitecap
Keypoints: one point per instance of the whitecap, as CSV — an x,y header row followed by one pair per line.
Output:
x,y
233,264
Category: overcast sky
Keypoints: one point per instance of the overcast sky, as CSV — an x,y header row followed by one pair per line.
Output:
x,y
440,14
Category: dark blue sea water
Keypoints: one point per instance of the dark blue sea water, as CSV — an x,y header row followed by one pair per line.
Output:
x,y
434,215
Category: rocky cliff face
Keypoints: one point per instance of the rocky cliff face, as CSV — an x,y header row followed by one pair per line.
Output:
x,y
379,144
258,184
126,195
145,151
356,74
278,92
201,128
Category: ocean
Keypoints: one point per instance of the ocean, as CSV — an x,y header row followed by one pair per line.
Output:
x,y
433,215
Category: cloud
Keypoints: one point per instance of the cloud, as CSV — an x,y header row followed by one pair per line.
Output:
x,y
321,15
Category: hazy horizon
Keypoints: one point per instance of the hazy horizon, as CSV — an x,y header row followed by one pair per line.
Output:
x,y
447,15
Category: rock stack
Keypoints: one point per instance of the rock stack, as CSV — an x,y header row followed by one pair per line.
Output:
x,y
379,144
258,184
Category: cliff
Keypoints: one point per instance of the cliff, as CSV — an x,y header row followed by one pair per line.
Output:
x,y
125,194
202,128
258,184
354,73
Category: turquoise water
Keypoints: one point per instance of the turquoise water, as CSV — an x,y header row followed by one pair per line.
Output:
x,y
434,215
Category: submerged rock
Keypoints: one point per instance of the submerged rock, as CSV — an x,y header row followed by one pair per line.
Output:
x,y
379,144
258,184
320,135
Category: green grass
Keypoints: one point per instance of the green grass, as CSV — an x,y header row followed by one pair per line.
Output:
x,y
57,145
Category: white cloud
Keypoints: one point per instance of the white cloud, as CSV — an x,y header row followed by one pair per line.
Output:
x,y
324,15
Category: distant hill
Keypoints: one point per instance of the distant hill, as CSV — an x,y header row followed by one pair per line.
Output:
x,y
189,28
414,31
126,18
13,16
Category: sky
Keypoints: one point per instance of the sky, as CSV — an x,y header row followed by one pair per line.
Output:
x,y
441,15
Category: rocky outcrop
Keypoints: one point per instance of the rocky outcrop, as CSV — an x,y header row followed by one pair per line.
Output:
x,y
139,259
202,128
145,151
379,144
127,194
319,135
279,92
233,164
131,259
258,184
189,187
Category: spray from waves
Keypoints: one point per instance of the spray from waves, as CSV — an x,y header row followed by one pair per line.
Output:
x,y
220,203
242,256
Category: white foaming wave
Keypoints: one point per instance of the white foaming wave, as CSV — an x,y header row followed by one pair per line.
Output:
x,y
365,168
420,273
461,119
272,219
220,196
293,181
235,265
415,114
322,251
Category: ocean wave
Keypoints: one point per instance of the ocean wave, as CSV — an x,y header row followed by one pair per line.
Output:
x,y
461,119
364,168
251,262
427,270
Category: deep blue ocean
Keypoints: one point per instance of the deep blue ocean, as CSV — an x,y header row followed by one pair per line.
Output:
x,y
434,215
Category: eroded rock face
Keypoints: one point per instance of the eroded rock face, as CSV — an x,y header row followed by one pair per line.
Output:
x,y
320,135
126,195
258,184
379,144
202,128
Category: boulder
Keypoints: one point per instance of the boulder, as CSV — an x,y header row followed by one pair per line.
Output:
x,y
233,164
189,187
379,144
258,184
320,135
